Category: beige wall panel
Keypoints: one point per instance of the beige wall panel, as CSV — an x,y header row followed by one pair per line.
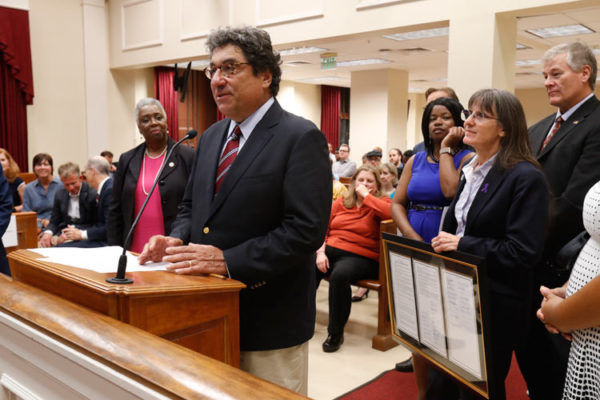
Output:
x,y
197,17
301,99
141,24
57,119
269,12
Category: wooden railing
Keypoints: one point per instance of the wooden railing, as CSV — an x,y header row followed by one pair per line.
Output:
x,y
383,340
89,355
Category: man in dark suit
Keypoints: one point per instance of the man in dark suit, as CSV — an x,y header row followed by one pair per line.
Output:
x,y
74,204
97,174
260,217
567,145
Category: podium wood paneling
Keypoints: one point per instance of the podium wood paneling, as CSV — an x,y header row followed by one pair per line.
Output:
x,y
198,312
59,350
26,231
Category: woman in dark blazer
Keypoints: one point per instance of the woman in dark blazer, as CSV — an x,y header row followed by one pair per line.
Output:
x,y
499,213
136,173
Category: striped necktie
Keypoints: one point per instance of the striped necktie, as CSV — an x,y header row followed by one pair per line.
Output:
x,y
229,154
559,121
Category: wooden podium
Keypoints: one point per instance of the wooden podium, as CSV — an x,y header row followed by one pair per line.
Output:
x,y
197,312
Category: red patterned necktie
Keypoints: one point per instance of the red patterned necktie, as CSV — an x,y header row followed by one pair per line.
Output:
x,y
229,154
559,121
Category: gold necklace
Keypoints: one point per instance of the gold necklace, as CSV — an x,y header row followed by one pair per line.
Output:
x,y
144,167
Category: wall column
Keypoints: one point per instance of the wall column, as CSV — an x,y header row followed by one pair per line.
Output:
x,y
378,111
95,49
481,49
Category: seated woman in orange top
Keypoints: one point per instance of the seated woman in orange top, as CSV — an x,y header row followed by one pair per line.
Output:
x,y
351,248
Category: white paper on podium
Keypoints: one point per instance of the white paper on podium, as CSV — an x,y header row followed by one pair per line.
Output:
x,y
9,239
98,259
404,295
430,309
461,322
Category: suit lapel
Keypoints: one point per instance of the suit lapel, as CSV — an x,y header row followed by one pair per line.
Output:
x,y
260,136
578,116
486,191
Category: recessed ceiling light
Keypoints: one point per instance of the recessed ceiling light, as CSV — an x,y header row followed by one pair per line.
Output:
x,y
301,50
368,61
524,63
522,46
200,63
557,31
596,52
423,34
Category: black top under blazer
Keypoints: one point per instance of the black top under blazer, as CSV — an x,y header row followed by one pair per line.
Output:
x,y
571,164
269,217
505,225
171,187
60,218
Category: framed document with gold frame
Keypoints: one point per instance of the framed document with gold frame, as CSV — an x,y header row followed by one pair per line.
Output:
x,y
439,308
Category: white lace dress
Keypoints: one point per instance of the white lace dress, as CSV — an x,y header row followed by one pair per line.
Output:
x,y
583,372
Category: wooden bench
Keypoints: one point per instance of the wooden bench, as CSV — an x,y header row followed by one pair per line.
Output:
x,y
27,176
27,236
383,339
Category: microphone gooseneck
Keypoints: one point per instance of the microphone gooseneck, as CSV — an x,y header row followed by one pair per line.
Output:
x,y
122,268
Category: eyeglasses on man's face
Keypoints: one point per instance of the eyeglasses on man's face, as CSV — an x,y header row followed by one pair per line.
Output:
x,y
478,116
228,69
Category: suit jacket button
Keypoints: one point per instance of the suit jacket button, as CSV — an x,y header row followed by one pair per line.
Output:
x,y
206,230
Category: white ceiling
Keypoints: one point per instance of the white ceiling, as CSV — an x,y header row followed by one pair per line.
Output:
x,y
426,59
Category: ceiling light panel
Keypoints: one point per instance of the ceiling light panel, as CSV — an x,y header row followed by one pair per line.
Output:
x,y
559,31
368,61
423,34
301,50
525,63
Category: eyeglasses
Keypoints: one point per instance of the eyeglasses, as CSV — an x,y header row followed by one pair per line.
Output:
x,y
478,116
228,69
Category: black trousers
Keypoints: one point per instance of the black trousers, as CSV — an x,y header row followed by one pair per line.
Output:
x,y
543,359
345,268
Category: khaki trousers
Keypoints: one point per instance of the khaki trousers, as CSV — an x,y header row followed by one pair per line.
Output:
x,y
285,367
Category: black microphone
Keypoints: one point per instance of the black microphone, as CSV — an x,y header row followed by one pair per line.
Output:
x,y
120,277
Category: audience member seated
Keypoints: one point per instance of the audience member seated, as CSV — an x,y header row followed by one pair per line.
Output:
x,y
108,155
5,212
74,206
389,178
135,175
97,174
500,213
405,157
344,167
351,248
39,194
374,158
428,184
331,153
15,183
572,309
395,157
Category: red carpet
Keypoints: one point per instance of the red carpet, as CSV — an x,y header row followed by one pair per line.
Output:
x,y
394,385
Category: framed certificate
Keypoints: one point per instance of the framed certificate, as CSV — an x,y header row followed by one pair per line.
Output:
x,y
438,308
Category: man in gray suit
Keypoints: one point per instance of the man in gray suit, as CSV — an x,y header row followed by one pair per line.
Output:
x,y
256,207
567,145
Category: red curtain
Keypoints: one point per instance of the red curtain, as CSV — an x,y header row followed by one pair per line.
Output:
x,y
16,82
220,115
330,114
163,92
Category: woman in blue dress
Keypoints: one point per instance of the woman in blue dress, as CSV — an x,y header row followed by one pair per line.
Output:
x,y
428,183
